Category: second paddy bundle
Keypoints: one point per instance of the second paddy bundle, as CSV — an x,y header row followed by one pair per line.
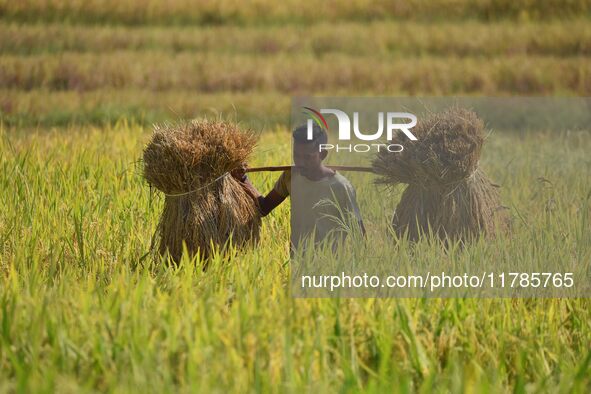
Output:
x,y
204,205
447,194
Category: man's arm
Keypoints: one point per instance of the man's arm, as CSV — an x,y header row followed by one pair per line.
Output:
x,y
265,203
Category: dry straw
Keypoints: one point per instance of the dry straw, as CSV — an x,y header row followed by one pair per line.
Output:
x,y
447,193
204,206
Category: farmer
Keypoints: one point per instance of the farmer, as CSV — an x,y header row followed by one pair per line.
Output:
x,y
321,198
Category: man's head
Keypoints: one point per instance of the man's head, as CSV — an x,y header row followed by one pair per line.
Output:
x,y
306,152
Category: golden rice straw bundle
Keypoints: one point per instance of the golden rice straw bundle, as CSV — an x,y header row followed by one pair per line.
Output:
x,y
204,205
447,193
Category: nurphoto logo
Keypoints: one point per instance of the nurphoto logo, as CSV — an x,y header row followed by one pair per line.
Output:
x,y
393,124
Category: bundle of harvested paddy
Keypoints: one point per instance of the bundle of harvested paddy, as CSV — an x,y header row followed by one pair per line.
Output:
x,y
204,205
447,193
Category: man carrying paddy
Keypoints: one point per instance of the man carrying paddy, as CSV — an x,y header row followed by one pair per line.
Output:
x,y
323,201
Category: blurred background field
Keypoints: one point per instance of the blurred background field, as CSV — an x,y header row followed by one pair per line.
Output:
x,y
81,82
97,62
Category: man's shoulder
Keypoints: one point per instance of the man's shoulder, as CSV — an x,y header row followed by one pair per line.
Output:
x,y
283,184
341,185
339,179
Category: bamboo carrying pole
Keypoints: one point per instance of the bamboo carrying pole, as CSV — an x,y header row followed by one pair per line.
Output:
x,y
285,168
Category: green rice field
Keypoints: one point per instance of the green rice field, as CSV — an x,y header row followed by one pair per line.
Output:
x,y
82,311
